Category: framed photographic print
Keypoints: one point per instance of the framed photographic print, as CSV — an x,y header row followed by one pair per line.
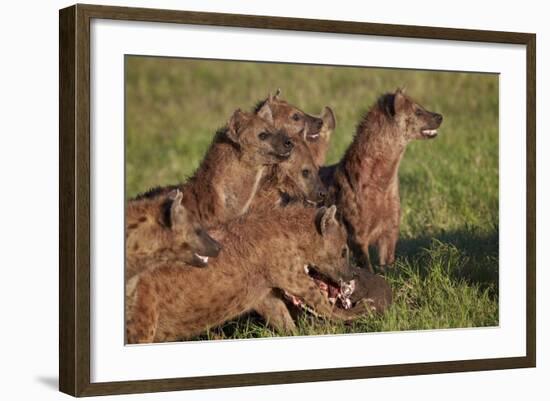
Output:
x,y
250,200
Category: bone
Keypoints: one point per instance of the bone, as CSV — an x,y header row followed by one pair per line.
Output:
x,y
346,291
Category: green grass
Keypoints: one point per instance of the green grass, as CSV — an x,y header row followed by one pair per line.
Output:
x,y
446,274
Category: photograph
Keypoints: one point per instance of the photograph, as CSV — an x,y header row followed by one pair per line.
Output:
x,y
267,199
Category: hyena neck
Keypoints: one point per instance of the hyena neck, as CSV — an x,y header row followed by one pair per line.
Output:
x,y
258,236
373,158
299,250
223,186
221,156
290,194
320,148
276,189
286,188
236,181
253,190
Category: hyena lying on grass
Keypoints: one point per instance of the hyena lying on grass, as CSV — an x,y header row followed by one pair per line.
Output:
x,y
261,253
364,184
315,131
162,227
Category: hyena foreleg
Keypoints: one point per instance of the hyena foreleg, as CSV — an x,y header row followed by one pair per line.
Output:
x,y
386,249
275,312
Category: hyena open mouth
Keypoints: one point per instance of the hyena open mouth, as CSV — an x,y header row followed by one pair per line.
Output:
x,y
429,133
310,136
338,294
280,156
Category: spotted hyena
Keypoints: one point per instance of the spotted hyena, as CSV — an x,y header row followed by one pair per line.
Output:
x,y
365,185
261,253
161,225
315,131
295,179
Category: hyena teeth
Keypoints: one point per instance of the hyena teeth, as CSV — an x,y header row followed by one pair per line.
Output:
x,y
203,259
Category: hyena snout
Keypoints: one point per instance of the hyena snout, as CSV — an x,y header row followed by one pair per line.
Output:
x,y
320,193
315,125
318,123
314,190
431,122
211,247
207,247
282,145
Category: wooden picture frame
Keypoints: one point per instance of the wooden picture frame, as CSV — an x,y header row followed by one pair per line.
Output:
x,y
74,199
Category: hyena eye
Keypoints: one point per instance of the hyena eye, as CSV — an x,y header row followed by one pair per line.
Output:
x,y
263,136
305,173
296,117
418,112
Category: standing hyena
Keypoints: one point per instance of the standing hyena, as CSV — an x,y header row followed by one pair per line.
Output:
x,y
364,184
315,131
156,227
261,253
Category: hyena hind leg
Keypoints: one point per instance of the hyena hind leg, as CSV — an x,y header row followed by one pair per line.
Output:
x,y
275,312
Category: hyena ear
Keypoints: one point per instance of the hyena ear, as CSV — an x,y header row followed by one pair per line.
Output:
x,y
277,94
326,219
178,212
386,103
235,124
265,113
328,117
399,100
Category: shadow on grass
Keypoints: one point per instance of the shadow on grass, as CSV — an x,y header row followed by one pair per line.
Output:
x,y
464,256
478,254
